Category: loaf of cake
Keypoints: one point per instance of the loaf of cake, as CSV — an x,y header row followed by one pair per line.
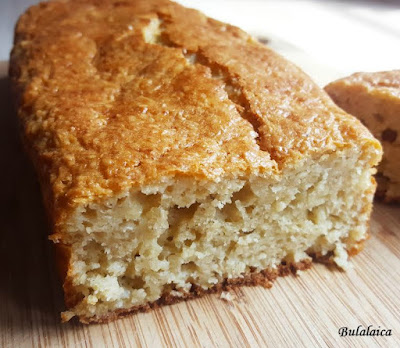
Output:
x,y
178,156
374,98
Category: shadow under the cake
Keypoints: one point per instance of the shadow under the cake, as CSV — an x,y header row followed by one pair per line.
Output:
x,y
29,288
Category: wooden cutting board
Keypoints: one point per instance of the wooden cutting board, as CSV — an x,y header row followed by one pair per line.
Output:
x,y
306,310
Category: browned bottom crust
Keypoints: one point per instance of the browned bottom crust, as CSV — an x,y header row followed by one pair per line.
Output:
x,y
263,278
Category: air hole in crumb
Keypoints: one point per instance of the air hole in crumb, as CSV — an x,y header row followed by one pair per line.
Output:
x,y
90,213
249,210
189,267
149,201
232,246
312,216
310,190
245,195
198,235
231,213
389,135
134,283
177,215
87,224
167,288
165,239
244,233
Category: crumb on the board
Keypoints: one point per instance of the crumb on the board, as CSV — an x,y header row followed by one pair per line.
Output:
x,y
226,296
67,316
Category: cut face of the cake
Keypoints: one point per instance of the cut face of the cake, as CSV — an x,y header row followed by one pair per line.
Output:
x,y
176,154
164,239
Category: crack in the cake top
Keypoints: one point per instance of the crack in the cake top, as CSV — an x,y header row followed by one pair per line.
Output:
x,y
156,34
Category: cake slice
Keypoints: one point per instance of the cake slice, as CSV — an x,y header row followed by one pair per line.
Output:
x,y
177,155
375,99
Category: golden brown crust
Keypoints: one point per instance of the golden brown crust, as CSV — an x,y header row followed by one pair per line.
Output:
x,y
385,82
63,258
255,278
104,109
374,98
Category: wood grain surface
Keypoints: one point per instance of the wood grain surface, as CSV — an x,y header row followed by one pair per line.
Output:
x,y
306,310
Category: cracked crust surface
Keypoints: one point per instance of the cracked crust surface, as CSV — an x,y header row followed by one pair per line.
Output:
x,y
199,98
374,98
